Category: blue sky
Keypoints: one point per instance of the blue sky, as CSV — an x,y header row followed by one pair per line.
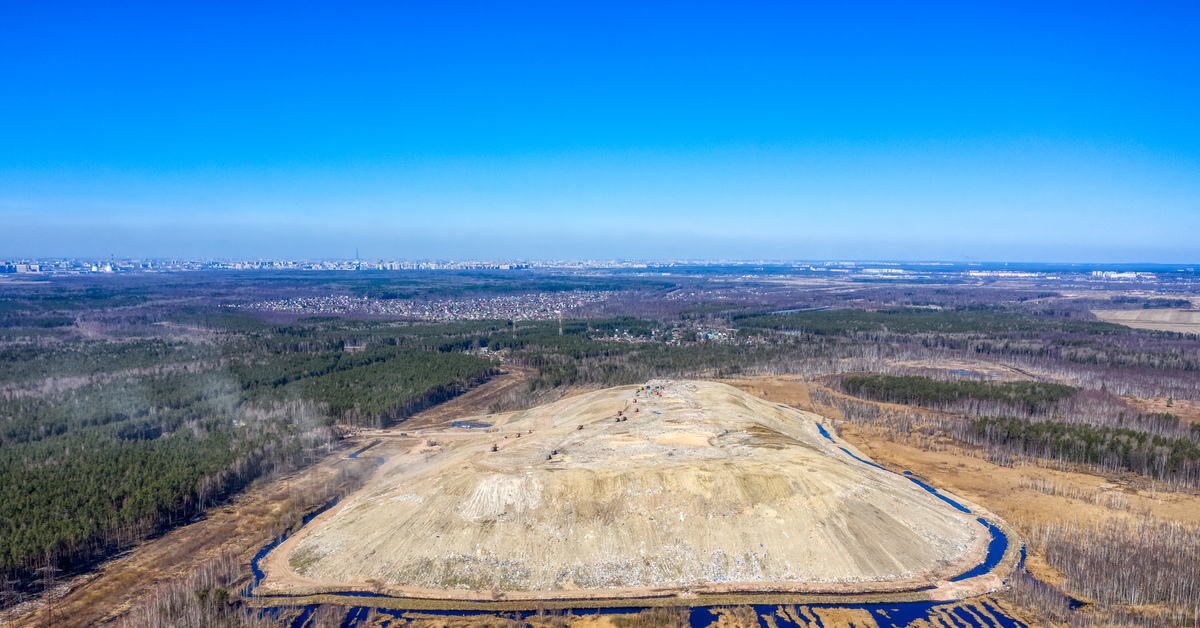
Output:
x,y
999,132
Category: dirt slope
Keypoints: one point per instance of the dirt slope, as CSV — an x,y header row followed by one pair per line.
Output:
x,y
703,488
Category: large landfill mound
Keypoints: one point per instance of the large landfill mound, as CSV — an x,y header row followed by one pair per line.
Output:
x,y
691,487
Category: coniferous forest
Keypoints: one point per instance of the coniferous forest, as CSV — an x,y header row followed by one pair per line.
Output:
x,y
98,458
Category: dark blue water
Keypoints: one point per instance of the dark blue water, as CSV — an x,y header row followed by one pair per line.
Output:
x,y
996,549
860,459
827,308
378,461
930,489
258,572
885,615
938,495
899,615
973,373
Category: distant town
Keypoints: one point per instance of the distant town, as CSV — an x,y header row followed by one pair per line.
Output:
x,y
848,270
536,306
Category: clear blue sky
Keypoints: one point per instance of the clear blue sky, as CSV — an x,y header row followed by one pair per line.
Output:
x,y
965,130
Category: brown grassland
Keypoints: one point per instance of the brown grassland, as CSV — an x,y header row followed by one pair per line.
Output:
x,y
1182,321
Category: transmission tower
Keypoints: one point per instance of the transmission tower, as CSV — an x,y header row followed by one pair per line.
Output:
x,y
49,583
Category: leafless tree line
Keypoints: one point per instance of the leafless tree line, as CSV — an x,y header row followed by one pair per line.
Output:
x,y
198,600
662,617
1120,617
1125,562
1133,364
1047,603
1095,407
1133,381
939,432
1115,500
1050,607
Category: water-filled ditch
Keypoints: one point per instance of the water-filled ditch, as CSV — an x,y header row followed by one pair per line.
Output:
x,y
976,613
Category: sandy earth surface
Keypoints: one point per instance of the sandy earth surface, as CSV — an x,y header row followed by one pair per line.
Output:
x,y
1185,321
966,370
474,402
704,488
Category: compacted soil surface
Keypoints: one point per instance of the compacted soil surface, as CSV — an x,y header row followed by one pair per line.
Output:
x,y
668,487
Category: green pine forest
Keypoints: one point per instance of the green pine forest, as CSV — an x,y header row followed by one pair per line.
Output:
x,y
923,391
169,427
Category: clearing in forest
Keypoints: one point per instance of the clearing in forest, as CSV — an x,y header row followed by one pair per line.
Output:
x,y
1183,321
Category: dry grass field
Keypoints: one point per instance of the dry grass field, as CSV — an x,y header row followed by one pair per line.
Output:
x,y
1183,321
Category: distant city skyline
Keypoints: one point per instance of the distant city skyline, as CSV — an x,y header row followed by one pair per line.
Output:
x,y
863,268
1022,133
